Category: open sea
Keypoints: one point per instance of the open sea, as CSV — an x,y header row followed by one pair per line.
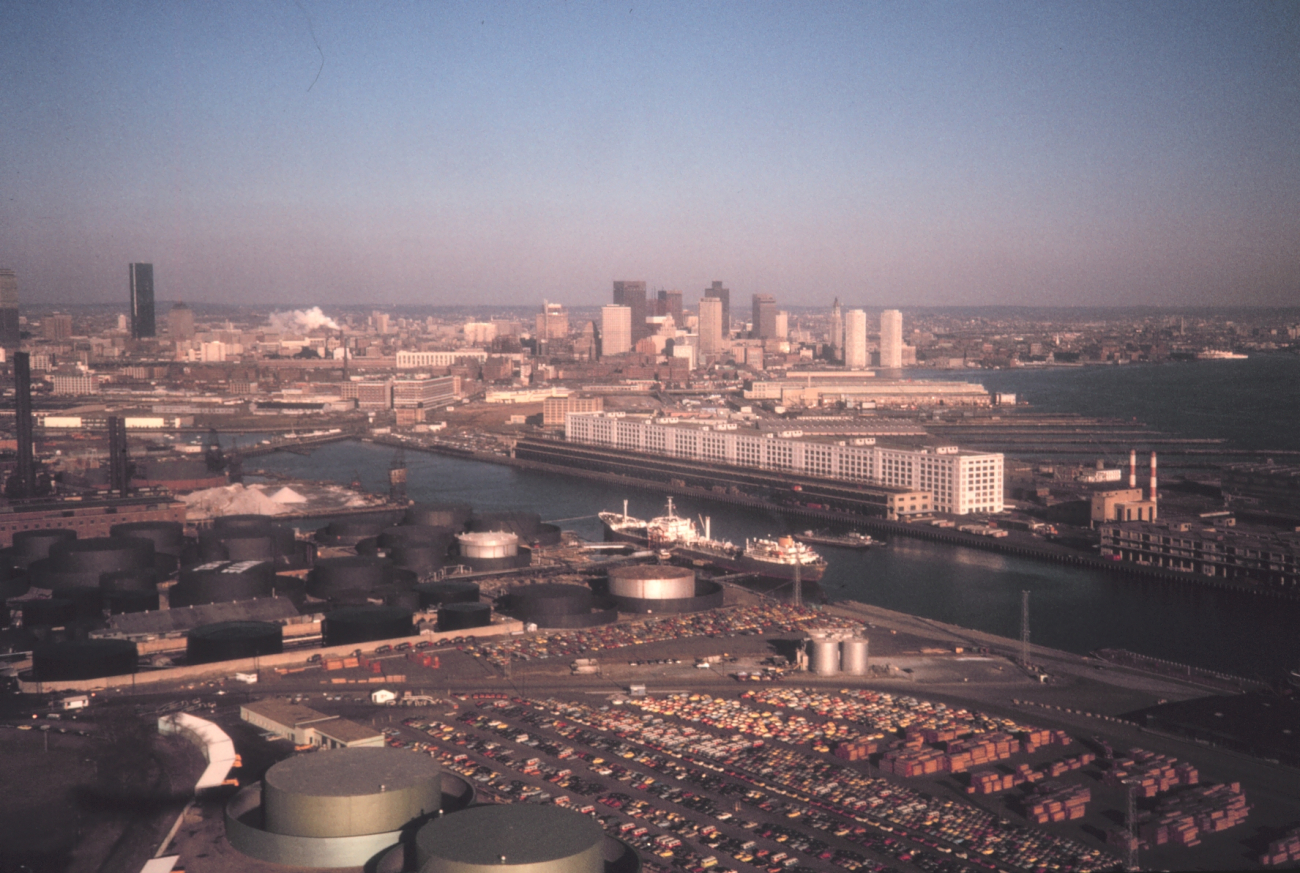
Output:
x,y
1254,404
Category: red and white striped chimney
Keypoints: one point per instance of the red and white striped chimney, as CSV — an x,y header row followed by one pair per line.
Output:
x,y
1153,477
1133,468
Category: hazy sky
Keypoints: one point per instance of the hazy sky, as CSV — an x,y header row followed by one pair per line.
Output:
x,y
892,154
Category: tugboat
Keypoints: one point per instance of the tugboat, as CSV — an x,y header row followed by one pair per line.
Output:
x,y
851,540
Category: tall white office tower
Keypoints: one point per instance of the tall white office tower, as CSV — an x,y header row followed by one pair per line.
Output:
x,y
891,340
615,330
710,329
837,332
855,339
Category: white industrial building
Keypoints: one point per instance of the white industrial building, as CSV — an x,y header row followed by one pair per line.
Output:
x,y
959,482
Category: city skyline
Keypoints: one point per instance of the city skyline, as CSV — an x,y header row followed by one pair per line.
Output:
x,y
928,155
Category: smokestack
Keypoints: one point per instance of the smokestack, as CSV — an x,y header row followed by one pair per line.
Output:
x,y
1133,468
1153,477
25,472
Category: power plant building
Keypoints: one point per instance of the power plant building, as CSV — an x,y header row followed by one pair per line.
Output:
x,y
958,481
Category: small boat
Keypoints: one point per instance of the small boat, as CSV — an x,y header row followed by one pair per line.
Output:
x,y
851,540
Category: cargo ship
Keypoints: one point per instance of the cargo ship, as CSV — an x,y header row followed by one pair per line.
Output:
x,y
850,540
771,558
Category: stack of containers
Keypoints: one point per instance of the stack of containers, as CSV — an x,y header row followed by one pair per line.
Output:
x,y
1151,772
1054,802
1183,817
1284,850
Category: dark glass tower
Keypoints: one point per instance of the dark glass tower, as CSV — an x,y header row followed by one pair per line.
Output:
x,y
632,295
142,320
9,331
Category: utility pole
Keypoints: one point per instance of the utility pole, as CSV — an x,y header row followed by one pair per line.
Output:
x,y
1130,819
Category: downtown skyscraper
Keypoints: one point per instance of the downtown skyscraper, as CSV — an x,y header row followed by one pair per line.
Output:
x,y
891,340
632,295
10,335
142,315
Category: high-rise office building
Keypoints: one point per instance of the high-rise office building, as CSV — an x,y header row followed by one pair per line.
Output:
x,y
724,294
710,328
180,322
855,339
142,318
837,332
632,295
552,322
764,317
10,334
782,325
891,339
670,303
615,330
57,327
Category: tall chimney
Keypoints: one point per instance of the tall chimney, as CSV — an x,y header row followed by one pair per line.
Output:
x,y
25,472
1153,477
1133,468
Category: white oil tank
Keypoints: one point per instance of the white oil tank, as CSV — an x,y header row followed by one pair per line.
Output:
x,y
853,656
488,544
825,656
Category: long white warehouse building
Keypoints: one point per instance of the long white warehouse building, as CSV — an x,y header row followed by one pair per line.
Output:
x,y
958,481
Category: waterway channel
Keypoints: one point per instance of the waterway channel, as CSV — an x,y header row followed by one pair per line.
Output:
x,y
1071,608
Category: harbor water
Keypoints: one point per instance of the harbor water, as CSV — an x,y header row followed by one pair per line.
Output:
x,y
1073,609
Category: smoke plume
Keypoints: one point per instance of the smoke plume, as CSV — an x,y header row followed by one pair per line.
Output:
x,y
302,321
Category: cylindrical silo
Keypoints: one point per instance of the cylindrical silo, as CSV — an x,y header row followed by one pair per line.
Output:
x,y
524,837
232,640
83,659
366,624
853,656
459,616
50,612
824,657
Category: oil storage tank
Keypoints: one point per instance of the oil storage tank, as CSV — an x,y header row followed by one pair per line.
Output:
x,y
460,616
232,640
333,577
223,582
366,624
13,582
453,515
557,606
102,555
853,656
423,559
662,588
824,655
527,837
129,590
351,530
433,594
522,524
168,537
83,659
492,550
334,808
34,545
